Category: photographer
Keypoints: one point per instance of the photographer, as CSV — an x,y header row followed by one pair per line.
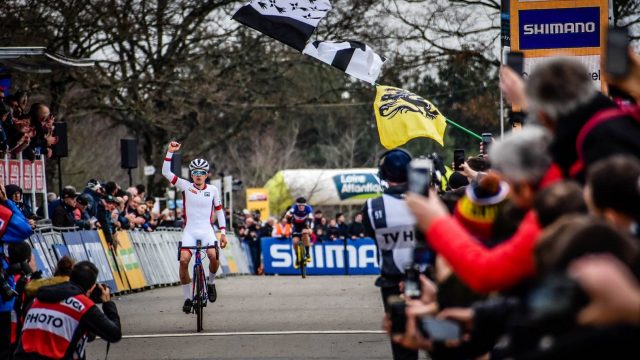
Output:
x,y
73,322
388,220
15,229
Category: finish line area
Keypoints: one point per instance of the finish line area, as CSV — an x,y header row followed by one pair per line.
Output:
x,y
266,317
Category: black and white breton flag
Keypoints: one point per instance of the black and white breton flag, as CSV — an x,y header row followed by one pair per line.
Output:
x,y
289,21
353,57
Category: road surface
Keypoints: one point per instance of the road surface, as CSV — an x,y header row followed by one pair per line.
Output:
x,y
267,317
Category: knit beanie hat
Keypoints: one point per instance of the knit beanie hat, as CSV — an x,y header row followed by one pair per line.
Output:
x,y
479,207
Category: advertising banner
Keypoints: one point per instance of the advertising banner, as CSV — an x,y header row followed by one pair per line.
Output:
x,y
14,172
130,261
40,180
117,269
27,179
3,172
258,199
545,29
98,257
75,246
327,258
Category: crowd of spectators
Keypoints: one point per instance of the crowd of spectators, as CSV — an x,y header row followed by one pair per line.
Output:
x,y
537,254
25,129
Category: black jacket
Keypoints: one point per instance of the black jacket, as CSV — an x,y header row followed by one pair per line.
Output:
x,y
105,323
63,216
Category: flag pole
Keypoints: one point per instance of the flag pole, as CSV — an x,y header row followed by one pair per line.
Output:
x,y
464,129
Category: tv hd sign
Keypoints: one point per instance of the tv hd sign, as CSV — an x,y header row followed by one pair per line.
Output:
x,y
559,28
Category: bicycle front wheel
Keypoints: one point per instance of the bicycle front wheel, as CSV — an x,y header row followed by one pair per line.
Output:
x,y
302,258
197,303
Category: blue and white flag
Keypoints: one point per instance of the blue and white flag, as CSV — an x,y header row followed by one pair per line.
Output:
x,y
289,21
353,57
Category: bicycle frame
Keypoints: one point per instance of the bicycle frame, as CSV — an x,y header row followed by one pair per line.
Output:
x,y
199,294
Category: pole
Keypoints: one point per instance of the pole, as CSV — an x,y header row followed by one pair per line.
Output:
x,y
346,258
130,178
59,176
451,122
45,202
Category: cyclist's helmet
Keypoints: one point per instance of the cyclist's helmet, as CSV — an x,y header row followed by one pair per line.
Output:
x,y
301,201
199,164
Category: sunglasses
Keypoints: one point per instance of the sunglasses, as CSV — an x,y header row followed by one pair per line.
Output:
x,y
198,172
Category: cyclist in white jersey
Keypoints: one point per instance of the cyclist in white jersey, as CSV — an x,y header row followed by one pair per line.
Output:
x,y
199,202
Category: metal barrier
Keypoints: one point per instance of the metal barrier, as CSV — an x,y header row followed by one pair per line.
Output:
x,y
138,260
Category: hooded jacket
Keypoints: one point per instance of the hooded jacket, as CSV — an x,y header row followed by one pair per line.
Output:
x,y
104,324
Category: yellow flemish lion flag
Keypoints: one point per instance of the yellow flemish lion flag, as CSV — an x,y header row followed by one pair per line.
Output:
x,y
402,116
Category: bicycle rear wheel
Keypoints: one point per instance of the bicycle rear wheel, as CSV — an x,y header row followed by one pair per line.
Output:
x,y
197,303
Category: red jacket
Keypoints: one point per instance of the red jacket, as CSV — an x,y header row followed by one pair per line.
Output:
x,y
486,269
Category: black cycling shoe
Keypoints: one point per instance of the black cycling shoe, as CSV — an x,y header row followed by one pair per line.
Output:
x,y
213,294
187,306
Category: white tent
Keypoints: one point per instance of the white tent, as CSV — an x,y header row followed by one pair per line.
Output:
x,y
323,187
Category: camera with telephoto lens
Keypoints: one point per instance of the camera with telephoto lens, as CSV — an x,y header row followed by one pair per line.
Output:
x,y
6,291
96,294
555,302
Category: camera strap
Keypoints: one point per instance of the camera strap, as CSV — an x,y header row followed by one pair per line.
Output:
x,y
106,354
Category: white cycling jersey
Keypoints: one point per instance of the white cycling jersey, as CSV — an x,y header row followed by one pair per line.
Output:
x,y
199,205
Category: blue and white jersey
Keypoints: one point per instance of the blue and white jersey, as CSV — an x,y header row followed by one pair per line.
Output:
x,y
300,216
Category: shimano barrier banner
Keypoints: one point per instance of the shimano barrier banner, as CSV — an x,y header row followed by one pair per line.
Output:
x,y
559,28
327,258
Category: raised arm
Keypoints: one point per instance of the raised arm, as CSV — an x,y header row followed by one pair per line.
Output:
x,y
166,168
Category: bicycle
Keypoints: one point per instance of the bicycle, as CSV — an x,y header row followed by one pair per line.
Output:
x,y
199,296
302,259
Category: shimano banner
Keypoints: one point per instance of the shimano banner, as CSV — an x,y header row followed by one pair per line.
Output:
x,y
559,28
326,258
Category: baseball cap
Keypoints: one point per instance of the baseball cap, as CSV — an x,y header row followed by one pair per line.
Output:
x,y
110,199
68,193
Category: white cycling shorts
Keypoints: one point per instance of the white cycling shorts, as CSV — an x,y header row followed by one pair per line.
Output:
x,y
206,235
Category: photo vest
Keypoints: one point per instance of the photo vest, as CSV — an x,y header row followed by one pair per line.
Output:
x,y
53,329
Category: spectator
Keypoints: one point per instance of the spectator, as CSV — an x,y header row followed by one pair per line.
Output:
x,y
111,188
343,228
37,337
179,218
562,98
356,229
317,218
52,202
63,214
14,192
282,229
268,229
333,232
81,216
251,238
140,191
94,191
168,218
612,192
523,161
